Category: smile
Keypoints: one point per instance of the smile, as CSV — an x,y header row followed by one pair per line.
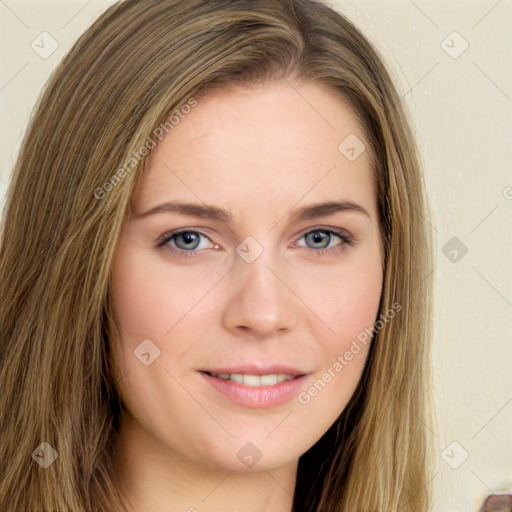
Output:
x,y
255,391
246,379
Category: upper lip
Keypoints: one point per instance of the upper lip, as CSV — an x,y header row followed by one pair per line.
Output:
x,y
256,368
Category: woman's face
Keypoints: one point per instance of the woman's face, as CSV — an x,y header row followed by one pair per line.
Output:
x,y
253,255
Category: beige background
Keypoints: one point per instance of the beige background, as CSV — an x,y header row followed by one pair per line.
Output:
x,y
461,103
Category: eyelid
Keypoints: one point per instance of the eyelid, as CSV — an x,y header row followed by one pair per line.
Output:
x,y
346,240
343,234
163,240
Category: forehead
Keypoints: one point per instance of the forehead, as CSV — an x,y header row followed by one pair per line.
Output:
x,y
275,144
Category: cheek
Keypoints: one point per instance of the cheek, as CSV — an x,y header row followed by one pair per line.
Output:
x,y
138,299
351,314
347,302
148,299
154,300
345,298
356,303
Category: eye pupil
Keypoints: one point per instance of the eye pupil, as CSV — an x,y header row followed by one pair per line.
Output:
x,y
317,237
188,238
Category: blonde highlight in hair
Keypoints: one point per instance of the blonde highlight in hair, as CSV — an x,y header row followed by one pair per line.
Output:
x,y
126,75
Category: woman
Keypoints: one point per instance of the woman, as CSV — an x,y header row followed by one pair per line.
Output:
x,y
177,334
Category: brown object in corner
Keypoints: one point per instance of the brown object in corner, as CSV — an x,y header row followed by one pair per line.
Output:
x,y
498,503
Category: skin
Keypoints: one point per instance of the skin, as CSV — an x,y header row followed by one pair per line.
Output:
x,y
259,153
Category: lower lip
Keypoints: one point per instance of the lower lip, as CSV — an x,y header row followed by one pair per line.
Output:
x,y
256,397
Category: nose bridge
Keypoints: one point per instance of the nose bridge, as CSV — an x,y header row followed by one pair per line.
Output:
x,y
258,279
259,300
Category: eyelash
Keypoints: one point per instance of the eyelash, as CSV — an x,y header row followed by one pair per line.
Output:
x,y
343,235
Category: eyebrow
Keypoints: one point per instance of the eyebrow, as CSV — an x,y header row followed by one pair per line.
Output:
x,y
206,211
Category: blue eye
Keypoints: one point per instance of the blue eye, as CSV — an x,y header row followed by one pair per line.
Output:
x,y
319,240
320,237
184,243
190,240
189,243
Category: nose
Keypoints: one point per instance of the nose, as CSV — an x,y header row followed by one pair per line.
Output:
x,y
259,301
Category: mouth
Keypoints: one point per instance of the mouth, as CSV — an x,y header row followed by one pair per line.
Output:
x,y
255,386
254,380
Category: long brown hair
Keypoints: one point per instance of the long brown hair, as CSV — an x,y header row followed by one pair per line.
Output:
x,y
139,63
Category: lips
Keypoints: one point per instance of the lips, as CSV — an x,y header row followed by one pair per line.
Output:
x,y
258,396
256,385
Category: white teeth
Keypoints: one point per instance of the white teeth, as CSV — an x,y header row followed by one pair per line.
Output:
x,y
255,380
251,380
268,380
